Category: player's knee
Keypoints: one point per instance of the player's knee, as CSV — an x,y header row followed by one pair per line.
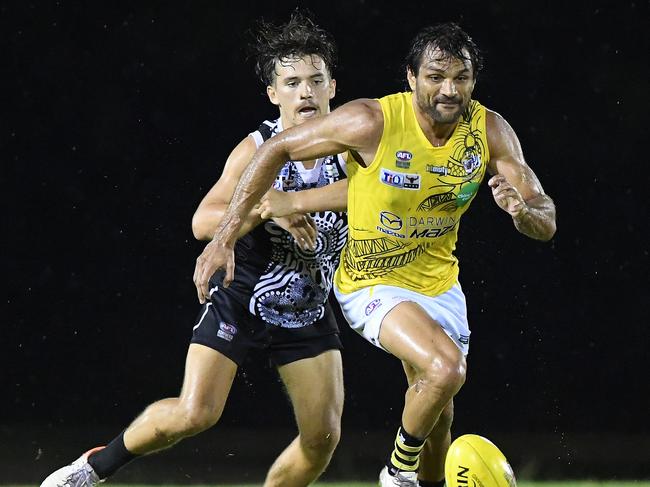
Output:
x,y
322,442
194,420
320,448
446,374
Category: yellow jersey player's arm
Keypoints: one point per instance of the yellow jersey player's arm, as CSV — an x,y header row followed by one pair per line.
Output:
x,y
515,187
333,197
356,126
210,211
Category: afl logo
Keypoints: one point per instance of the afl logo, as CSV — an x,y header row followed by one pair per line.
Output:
x,y
228,328
373,305
403,155
390,220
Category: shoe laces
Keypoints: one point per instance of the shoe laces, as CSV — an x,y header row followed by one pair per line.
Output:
x,y
84,477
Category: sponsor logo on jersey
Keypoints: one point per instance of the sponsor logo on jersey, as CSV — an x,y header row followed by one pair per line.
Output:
x,y
372,305
390,224
390,220
431,221
466,193
431,232
437,169
400,180
403,159
464,339
430,226
226,331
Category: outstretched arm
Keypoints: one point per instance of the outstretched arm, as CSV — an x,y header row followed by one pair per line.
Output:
x,y
332,197
356,125
515,186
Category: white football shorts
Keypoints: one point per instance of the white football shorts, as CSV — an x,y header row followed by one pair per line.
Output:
x,y
366,308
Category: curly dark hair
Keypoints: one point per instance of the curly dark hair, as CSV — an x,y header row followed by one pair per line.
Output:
x,y
453,41
299,37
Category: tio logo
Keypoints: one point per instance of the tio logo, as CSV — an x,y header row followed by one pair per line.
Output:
x,y
399,179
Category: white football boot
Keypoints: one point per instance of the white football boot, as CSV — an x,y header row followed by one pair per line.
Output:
x,y
78,474
401,479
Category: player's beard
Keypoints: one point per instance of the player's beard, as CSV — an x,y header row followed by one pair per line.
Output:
x,y
446,116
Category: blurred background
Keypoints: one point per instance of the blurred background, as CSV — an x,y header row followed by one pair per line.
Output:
x,y
116,119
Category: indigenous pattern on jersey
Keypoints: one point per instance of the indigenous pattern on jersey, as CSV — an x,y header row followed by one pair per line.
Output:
x,y
404,209
284,285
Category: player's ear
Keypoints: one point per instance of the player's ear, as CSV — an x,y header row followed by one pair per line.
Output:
x,y
272,94
410,76
332,88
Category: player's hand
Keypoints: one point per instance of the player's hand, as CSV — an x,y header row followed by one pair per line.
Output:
x,y
506,195
216,255
276,203
301,227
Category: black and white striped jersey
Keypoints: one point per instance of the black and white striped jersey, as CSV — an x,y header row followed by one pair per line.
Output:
x,y
284,285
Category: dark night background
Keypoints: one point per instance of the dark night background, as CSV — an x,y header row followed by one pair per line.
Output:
x,y
116,119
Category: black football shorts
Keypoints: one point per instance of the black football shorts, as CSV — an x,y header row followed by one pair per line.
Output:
x,y
226,325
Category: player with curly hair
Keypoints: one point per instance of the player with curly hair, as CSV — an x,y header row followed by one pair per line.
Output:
x,y
278,301
416,162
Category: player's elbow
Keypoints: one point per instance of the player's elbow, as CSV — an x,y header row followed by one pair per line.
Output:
x,y
200,229
551,225
550,231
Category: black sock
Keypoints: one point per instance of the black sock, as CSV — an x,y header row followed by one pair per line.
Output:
x,y
109,460
406,455
426,483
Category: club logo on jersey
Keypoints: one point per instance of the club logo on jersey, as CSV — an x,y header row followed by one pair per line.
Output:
x,y
471,160
403,159
373,305
400,180
390,224
330,169
285,179
226,331
442,170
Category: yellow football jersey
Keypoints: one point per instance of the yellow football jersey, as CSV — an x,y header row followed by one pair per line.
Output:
x,y
405,207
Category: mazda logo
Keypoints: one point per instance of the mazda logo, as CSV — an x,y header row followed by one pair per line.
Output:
x,y
390,220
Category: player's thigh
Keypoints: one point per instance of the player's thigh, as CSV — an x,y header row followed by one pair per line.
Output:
x,y
409,333
315,387
208,378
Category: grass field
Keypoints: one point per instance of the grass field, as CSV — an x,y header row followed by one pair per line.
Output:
x,y
630,483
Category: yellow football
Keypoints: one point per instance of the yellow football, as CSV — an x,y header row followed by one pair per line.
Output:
x,y
474,461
